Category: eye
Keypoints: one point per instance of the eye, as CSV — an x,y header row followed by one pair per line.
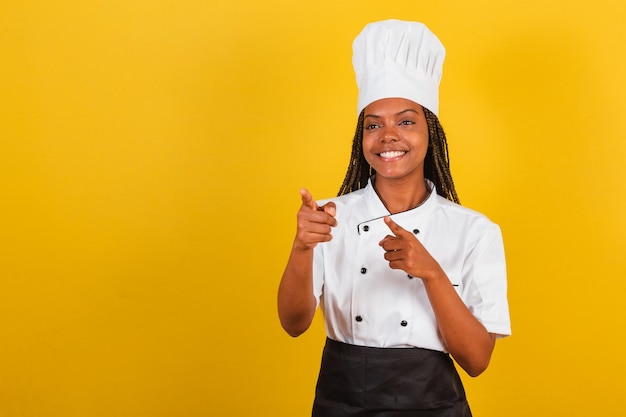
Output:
x,y
371,126
407,122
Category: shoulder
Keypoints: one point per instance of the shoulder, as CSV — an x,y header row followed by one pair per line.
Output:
x,y
352,208
459,210
346,200
458,214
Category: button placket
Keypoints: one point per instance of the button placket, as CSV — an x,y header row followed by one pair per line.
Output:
x,y
362,272
416,231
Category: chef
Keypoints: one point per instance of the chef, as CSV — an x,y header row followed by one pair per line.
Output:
x,y
407,278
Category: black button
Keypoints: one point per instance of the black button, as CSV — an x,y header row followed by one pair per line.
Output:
x,y
366,228
410,276
416,231
403,323
358,318
363,270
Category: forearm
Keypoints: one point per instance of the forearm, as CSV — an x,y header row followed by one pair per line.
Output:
x,y
464,336
296,302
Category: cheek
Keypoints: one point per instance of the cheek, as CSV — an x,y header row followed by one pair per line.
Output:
x,y
366,148
425,146
424,142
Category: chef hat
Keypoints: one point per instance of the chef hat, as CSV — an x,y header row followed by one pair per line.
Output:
x,y
395,58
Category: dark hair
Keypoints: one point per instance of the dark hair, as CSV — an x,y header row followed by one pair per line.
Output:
x,y
436,162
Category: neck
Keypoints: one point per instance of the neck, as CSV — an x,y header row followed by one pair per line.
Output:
x,y
401,195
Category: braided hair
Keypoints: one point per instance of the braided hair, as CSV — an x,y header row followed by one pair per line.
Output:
x,y
436,162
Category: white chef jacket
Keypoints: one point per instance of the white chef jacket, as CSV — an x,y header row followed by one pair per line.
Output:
x,y
367,303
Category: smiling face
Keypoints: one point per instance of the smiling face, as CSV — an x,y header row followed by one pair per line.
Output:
x,y
395,139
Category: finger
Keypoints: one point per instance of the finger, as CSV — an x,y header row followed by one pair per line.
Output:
x,y
393,226
393,247
307,199
396,265
305,214
316,237
316,227
389,243
331,210
315,231
395,254
311,239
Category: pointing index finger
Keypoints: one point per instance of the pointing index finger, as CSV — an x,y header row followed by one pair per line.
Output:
x,y
307,199
395,228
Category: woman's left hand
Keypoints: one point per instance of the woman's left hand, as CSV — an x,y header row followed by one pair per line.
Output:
x,y
462,334
404,251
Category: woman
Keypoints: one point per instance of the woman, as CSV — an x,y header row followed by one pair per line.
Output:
x,y
405,276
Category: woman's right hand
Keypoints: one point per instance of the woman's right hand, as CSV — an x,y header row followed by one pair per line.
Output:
x,y
296,301
314,223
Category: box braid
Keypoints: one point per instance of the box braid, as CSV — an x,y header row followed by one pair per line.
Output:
x,y
436,162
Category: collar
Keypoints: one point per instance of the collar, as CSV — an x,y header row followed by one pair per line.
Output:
x,y
407,219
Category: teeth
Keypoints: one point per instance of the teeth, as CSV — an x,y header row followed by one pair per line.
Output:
x,y
392,154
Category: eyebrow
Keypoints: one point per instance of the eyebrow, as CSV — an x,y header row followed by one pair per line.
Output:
x,y
397,114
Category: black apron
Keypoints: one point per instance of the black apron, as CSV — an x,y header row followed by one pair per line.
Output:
x,y
387,382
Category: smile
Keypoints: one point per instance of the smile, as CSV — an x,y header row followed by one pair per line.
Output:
x,y
391,154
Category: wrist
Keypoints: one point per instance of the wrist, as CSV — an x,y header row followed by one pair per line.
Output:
x,y
435,276
302,248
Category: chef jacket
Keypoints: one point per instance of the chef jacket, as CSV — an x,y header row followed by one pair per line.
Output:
x,y
367,303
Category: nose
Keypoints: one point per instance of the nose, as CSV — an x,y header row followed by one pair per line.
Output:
x,y
389,134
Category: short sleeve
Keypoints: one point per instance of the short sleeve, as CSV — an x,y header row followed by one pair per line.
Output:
x,y
318,272
485,280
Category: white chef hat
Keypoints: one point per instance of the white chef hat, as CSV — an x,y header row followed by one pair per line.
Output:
x,y
395,58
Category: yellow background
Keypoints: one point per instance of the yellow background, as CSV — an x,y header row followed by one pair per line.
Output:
x,y
151,154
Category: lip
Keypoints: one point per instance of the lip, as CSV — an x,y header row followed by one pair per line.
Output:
x,y
391,155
